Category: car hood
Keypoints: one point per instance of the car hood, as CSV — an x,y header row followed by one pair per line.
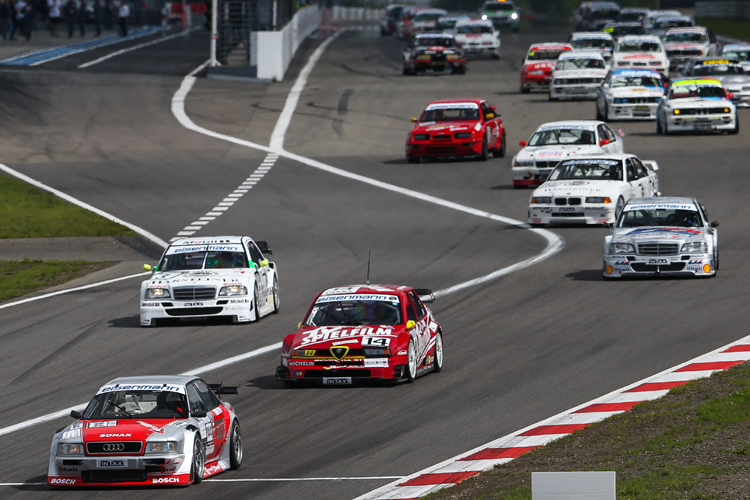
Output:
x,y
551,153
537,65
209,277
637,92
326,337
580,73
474,36
732,79
448,127
636,56
573,187
684,46
665,234
97,431
699,102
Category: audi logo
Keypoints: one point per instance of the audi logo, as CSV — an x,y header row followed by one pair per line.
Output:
x,y
113,447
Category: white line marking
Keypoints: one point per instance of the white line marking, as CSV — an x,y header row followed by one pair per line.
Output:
x,y
136,47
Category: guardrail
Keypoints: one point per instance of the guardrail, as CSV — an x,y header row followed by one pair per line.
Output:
x,y
339,13
730,9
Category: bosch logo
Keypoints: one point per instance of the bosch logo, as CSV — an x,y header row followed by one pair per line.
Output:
x,y
63,481
113,447
165,480
115,435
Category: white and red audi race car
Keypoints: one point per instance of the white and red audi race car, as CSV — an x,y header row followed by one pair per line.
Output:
x,y
363,332
221,276
554,141
151,430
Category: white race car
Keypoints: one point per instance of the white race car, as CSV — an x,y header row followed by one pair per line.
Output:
x,y
641,52
629,94
593,40
729,72
554,141
662,236
683,44
577,75
592,189
477,37
696,105
739,52
425,20
148,431
225,276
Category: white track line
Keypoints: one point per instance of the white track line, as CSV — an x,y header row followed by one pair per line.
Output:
x,y
136,47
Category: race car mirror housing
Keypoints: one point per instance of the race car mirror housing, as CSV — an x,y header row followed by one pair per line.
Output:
x,y
425,295
715,223
146,267
263,263
490,116
522,144
198,414
414,119
604,142
410,324
77,414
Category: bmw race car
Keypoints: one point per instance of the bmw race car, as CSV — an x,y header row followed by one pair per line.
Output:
x,y
477,37
641,52
502,14
683,44
593,40
662,236
222,276
729,72
577,75
456,127
592,189
739,52
536,72
629,94
363,332
148,431
696,105
555,141
434,53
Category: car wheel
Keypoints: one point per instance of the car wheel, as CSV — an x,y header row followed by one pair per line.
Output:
x,y
412,159
598,113
496,55
235,446
437,364
716,259
551,98
605,114
525,90
736,129
411,366
659,129
500,153
255,304
665,126
275,296
485,152
406,70
199,461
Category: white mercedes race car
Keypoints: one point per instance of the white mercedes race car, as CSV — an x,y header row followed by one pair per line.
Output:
x,y
577,75
629,94
592,189
662,236
148,431
696,105
554,141
641,52
222,276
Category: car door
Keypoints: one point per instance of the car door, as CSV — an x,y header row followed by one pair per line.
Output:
x,y
636,187
491,125
261,273
647,182
205,423
616,144
421,332
217,414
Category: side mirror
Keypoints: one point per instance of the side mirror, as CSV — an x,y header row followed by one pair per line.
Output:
x,y
410,324
263,263
146,267
730,96
490,116
299,325
198,414
493,108
77,414
522,144
715,223
620,132
414,120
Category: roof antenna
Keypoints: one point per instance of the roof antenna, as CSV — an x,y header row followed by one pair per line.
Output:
x,y
368,267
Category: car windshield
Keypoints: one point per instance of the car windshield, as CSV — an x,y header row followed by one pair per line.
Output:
x,y
434,41
544,55
135,404
445,24
450,112
606,170
693,90
717,70
638,47
685,37
636,81
603,14
659,217
384,310
740,55
562,136
186,258
463,30
426,17
630,17
672,23
617,31
580,63
498,7
592,43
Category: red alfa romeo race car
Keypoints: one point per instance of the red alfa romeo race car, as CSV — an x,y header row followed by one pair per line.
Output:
x,y
536,72
363,332
456,127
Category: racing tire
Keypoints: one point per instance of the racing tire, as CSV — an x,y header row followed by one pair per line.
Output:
x,y
659,129
255,305
459,71
484,156
518,186
716,260
411,366
552,99
437,363
406,71
235,446
198,467
665,127
736,129
525,90
500,153
598,113
275,296
496,56
412,159
605,115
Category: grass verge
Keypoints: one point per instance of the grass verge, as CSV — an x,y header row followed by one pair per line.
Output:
x,y
736,28
22,277
691,444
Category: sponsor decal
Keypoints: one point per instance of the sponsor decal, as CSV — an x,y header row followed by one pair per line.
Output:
x,y
218,411
566,209
192,304
150,304
695,262
353,341
363,296
301,363
337,380
141,387
658,262
165,480
239,301
213,469
671,232
71,433
67,469
120,435
402,353
601,221
543,154
536,221
452,105
108,423
376,341
58,480
594,161
377,363
327,333
339,352
657,206
151,426
111,463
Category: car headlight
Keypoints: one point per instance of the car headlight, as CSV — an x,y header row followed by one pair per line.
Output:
x,y
157,293
621,248
70,449
161,447
451,57
695,247
598,199
421,137
676,111
541,199
463,135
514,16
228,291
424,57
484,17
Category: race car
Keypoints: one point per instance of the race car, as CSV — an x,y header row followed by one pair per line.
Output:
x,y
424,20
593,40
696,105
445,24
729,72
536,72
502,14
652,16
663,24
617,30
739,52
592,189
629,94
683,44
577,75
641,52
148,431
389,19
596,15
456,127
554,141
632,15
363,332
218,276
434,53
405,19
477,37
662,237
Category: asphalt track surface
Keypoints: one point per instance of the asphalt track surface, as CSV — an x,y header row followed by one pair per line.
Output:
x,y
518,349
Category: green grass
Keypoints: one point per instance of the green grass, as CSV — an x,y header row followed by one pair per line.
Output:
x,y
736,28
28,212
20,278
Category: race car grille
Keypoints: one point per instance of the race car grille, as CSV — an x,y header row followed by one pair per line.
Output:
x,y
446,150
641,267
658,248
567,201
194,311
572,214
337,373
704,111
195,293
441,137
117,448
577,81
683,52
547,164
114,476
636,100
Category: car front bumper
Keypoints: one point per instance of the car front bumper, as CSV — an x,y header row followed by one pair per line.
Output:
x,y
434,149
540,82
530,176
617,266
577,214
587,92
129,470
701,123
628,111
239,308
347,372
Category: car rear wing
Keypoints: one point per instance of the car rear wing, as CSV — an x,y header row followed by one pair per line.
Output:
x,y
220,389
263,247
425,295
651,165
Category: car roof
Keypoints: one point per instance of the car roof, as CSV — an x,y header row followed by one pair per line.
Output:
x,y
681,17
449,101
581,54
736,46
602,6
635,9
687,29
662,13
603,156
639,38
207,240
365,289
663,200
622,23
591,34
179,380
549,45
433,34
635,72
432,11
696,80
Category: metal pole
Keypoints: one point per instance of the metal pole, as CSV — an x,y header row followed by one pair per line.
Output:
x,y
275,10
214,31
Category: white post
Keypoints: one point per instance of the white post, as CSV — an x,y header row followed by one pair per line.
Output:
x,y
214,31
275,8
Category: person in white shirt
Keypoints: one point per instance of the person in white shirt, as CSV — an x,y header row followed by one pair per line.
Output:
x,y
54,16
124,15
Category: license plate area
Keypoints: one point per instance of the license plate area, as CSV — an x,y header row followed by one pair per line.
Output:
x,y
337,381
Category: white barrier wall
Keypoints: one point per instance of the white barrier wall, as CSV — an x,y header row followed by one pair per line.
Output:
x,y
726,9
339,13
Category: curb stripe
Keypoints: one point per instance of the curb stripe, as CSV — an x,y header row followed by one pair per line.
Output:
x,y
429,479
720,365
496,453
657,386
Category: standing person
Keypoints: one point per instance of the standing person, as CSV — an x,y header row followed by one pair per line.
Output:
x,y
81,18
98,11
109,14
71,13
123,16
24,17
6,19
54,16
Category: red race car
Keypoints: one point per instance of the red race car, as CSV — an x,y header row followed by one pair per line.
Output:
x,y
536,72
363,332
456,127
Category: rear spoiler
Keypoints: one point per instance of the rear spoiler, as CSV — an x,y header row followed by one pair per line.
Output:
x,y
263,247
652,165
220,389
425,295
